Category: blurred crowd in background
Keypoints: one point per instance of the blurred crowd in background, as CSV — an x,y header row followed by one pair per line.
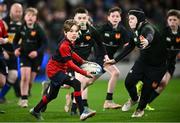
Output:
x,y
53,13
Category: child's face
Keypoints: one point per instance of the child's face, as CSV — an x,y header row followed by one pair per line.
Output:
x,y
72,34
173,22
81,19
133,21
114,18
30,18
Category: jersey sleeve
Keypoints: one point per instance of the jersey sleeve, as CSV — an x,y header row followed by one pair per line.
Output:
x,y
4,30
66,54
126,50
148,33
74,67
77,58
16,39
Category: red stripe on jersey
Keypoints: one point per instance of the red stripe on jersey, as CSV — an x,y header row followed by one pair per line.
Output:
x,y
77,93
44,99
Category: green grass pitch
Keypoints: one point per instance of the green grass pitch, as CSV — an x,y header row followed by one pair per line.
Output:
x,y
167,106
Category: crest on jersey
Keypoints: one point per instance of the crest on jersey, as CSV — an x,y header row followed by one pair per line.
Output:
x,y
106,34
168,39
33,33
117,35
178,40
88,37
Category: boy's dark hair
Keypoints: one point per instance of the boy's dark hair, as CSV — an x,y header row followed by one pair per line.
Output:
x,y
81,10
114,9
68,24
173,12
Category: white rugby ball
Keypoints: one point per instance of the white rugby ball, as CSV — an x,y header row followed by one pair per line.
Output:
x,y
92,67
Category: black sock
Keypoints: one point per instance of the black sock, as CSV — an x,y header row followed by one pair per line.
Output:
x,y
85,103
41,104
74,107
24,97
109,96
153,96
78,98
72,96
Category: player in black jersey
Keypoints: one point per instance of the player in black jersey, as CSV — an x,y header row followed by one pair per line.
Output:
x,y
151,64
30,50
115,38
13,22
171,35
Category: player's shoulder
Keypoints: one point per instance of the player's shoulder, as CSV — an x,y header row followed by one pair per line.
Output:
x,y
64,44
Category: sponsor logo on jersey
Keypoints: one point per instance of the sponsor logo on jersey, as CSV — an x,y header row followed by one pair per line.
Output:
x,y
22,33
131,71
135,39
106,34
168,39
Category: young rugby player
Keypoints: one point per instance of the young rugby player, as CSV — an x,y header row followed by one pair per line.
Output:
x,y
30,49
149,67
57,68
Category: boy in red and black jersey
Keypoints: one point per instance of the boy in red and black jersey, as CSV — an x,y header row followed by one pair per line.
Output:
x,y
57,72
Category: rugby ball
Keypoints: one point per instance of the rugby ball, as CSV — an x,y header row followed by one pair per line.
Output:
x,y
92,67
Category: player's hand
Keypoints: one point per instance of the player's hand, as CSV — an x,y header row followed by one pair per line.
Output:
x,y
17,52
109,62
33,54
6,55
89,75
106,58
3,40
84,61
144,41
